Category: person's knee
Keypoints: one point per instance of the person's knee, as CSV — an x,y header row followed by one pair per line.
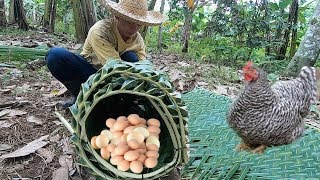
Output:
x,y
54,56
129,56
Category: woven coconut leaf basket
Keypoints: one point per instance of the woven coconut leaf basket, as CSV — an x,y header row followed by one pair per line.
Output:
x,y
120,89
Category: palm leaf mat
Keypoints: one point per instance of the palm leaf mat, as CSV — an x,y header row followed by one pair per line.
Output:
x,y
212,154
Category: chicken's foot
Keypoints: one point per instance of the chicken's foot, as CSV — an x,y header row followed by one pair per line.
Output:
x,y
243,147
260,149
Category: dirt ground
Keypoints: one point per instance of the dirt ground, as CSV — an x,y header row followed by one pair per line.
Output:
x,y
34,141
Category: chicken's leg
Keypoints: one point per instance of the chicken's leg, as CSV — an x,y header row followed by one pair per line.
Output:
x,y
243,147
260,149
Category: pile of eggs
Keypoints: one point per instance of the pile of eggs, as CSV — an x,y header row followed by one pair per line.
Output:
x,y
130,143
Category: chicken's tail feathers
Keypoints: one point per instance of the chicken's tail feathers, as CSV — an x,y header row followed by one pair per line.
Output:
x,y
312,75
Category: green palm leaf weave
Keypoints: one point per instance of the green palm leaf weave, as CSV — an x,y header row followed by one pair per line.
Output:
x,y
212,144
119,89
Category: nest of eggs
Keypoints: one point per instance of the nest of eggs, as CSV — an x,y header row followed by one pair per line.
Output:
x,y
120,89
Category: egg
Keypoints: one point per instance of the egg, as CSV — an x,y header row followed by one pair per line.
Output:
x,y
115,141
142,158
128,129
136,167
120,125
111,147
123,165
105,154
93,142
153,140
122,118
134,144
154,154
102,141
154,129
152,147
107,133
134,119
110,122
131,155
121,149
135,135
116,159
143,121
153,134
142,131
153,122
141,151
117,134
124,137
151,162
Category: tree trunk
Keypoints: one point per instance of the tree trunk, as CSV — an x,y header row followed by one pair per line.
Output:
x,y
294,36
160,27
309,48
186,30
19,15
143,31
3,21
293,14
12,19
49,15
84,18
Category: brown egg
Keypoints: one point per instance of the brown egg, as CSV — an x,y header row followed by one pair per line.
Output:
x,y
122,118
123,165
93,142
143,121
116,159
129,129
102,141
136,167
135,135
152,147
121,149
120,125
110,122
105,154
142,158
154,154
113,154
141,150
131,155
124,137
134,144
134,119
154,129
153,122
111,147
151,162
117,134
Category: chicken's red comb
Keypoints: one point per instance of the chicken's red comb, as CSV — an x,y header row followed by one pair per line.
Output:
x,y
248,65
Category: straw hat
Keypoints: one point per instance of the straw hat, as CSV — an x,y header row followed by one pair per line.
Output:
x,y
135,11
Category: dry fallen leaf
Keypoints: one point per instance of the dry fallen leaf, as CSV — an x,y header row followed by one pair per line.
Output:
x,y
61,174
27,149
4,147
12,112
34,120
5,124
46,153
66,160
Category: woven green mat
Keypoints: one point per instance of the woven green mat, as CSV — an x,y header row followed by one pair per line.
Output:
x,y
212,154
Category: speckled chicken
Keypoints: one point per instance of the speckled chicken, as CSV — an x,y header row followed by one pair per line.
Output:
x,y
268,115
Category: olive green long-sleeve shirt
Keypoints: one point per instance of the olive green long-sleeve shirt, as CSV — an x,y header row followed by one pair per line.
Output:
x,y
105,42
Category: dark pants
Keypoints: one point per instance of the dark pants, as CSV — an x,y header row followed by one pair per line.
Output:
x,y
72,69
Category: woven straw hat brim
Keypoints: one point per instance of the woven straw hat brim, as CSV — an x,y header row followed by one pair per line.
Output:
x,y
151,18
